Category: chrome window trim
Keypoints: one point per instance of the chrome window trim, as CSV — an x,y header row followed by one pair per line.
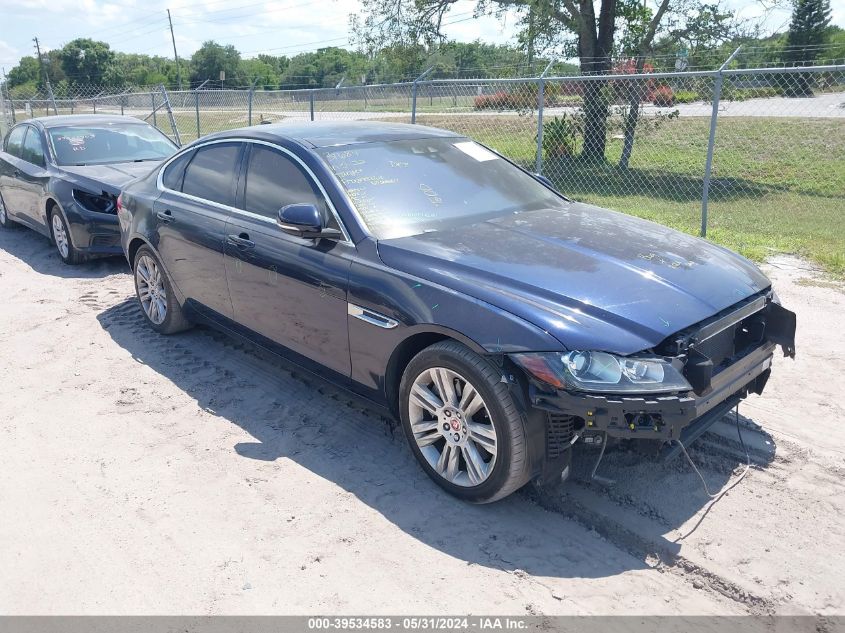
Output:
x,y
243,212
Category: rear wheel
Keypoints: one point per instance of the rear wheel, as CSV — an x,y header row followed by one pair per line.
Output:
x,y
155,294
5,221
61,238
462,423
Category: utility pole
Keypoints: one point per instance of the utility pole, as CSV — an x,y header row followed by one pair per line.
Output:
x,y
175,54
40,60
45,76
530,38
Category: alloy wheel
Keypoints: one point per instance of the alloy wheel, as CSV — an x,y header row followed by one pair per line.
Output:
x,y
60,236
452,427
151,291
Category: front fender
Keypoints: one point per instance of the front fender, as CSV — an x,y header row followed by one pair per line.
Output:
x,y
417,306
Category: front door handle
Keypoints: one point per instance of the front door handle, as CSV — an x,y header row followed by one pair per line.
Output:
x,y
165,216
242,241
17,173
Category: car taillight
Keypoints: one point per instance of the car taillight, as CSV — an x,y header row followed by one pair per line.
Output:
x,y
120,203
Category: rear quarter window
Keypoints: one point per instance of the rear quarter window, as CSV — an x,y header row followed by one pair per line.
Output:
x,y
14,142
174,173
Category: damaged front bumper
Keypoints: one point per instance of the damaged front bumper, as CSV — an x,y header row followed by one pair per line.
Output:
x,y
725,359
660,417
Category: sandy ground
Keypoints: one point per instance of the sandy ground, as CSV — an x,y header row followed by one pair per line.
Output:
x,y
142,474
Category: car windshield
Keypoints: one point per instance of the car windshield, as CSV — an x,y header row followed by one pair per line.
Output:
x,y
403,188
109,143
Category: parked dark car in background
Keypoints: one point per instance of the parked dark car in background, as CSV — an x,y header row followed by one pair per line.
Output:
x,y
498,320
61,176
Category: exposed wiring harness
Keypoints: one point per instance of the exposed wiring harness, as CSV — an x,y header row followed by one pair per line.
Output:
x,y
715,497
742,475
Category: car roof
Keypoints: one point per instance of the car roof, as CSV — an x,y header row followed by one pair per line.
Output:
x,y
333,133
65,120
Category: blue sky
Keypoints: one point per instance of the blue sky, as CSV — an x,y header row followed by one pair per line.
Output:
x,y
276,26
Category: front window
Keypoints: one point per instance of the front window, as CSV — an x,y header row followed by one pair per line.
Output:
x,y
109,143
403,188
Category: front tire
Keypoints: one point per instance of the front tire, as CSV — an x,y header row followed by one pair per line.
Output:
x,y
155,294
462,423
61,238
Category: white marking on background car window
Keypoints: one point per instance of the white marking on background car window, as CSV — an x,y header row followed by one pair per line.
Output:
x,y
476,151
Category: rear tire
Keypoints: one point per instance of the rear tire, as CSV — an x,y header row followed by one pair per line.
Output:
x,y
5,221
61,238
155,295
471,441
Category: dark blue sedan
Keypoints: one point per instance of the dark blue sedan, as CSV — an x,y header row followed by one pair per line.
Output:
x,y
61,176
498,320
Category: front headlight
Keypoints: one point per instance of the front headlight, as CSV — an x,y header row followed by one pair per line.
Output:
x,y
99,203
603,372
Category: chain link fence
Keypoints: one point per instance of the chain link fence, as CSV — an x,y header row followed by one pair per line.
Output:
x,y
753,157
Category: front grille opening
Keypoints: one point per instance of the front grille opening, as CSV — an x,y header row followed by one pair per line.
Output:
x,y
560,429
105,240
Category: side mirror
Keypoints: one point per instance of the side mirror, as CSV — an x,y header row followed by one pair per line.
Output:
x,y
305,220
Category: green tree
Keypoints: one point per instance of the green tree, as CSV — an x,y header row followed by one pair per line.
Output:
x,y
86,61
590,26
211,58
26,72
263,73
324,68
807,31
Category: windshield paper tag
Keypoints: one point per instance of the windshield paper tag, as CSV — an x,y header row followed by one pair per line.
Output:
x,y
475,150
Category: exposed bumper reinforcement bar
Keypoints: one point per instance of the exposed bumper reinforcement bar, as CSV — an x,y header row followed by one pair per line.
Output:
x,y
699,428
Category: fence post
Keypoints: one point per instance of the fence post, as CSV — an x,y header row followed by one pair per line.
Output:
x,y
170,114
714,117
4,124
251,93
9,94
311,99
541,102
52,99
153,100
94,103
197,104
414,93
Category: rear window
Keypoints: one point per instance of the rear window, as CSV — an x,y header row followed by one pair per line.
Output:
x,y
109,143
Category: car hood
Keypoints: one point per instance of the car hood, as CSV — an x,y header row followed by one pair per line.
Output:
x,y
593,278
113,176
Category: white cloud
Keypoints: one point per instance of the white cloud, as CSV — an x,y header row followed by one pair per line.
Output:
x,y
280,26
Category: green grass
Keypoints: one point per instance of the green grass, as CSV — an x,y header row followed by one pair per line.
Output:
x,y
778,183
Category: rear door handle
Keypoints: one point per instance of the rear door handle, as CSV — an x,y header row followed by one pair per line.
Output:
x,y
242,241
165,216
